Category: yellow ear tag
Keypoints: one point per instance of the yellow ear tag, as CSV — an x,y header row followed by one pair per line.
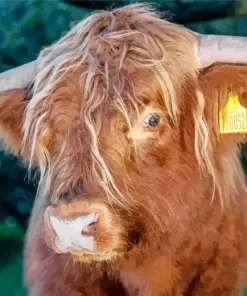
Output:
x,y
233,117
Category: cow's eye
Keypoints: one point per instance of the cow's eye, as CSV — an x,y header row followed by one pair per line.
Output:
x,y
65,196
152,120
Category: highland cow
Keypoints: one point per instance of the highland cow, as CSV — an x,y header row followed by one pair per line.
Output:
x,y
140,193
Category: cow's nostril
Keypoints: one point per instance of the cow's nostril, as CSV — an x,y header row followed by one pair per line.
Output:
x,y
90,229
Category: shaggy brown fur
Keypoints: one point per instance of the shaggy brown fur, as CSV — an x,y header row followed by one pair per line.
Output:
x,y
171,198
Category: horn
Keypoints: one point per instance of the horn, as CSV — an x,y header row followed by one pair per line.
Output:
x,y
217,48
18,77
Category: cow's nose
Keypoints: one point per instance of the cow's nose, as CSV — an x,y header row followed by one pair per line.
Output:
x,y
75,234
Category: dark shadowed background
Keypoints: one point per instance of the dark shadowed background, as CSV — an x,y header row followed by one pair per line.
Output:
x,y
26,26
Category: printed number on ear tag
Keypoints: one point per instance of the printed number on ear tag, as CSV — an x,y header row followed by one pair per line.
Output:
x,y
233,117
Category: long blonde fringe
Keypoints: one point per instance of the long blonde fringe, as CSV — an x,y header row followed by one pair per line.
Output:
x,y
73,51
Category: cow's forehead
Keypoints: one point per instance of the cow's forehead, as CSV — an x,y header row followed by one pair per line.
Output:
x,y
69,94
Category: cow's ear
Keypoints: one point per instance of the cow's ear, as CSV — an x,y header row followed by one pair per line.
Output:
x,y
225,92
12,107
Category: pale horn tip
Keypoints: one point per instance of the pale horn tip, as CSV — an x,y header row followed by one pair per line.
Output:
x,y
19,77
211,49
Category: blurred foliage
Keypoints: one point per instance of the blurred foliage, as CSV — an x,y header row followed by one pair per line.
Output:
x,y
26,26
11,259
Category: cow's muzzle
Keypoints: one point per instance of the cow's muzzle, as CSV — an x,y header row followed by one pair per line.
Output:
x,y
87,230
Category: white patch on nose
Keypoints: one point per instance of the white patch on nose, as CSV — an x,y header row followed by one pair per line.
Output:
x,y
69,234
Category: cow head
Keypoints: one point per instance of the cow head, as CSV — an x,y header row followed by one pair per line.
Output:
x,y
121,118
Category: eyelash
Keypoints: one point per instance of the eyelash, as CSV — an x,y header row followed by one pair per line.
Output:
x,y
72,193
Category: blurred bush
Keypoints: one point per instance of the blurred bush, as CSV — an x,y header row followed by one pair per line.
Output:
x,y
27,26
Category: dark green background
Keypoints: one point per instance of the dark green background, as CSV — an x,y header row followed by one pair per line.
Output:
x,y
26,26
